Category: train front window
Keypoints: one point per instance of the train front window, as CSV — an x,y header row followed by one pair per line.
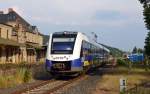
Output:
x,y
62,45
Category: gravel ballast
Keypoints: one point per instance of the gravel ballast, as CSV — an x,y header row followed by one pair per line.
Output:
x,y
86,86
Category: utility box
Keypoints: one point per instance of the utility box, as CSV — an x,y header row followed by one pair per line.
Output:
x,y
123,84
136,57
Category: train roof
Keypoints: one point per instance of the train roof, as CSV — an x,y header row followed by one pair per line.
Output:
x,y
66,32
86,37
97,44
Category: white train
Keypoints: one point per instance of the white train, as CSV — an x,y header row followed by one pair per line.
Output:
x,y
72,52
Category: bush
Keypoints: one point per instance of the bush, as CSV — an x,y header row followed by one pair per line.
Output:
x,y
27,76
121,62
22,75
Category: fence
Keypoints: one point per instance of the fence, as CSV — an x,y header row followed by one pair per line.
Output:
x,y
143,88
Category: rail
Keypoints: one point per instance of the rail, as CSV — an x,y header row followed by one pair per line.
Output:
x,y
50,86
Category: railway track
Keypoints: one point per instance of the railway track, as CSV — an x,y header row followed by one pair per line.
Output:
x,y
49,87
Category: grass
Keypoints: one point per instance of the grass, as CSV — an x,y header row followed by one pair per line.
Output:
x,y
109,82
15,74
133,69
22,75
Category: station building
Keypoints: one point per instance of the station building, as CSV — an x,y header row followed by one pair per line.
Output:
x,y
19,41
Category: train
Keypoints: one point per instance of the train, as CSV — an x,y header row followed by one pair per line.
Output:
x,y
70,53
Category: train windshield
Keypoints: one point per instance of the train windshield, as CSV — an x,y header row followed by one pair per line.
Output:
x,y
62,44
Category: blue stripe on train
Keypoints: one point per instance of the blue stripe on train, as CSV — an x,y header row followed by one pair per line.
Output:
x,y
89,58
76,63
79,62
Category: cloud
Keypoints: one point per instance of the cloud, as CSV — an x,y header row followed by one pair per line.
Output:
x,y
100,13
79,12
86,12
98,16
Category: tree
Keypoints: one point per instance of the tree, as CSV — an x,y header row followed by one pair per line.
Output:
x,y
144,2
134,50
146,14
147,44
139,50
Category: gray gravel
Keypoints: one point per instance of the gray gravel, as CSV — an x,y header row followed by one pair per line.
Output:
x,y
86,86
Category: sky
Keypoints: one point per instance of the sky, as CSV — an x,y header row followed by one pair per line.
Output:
x,y
118,23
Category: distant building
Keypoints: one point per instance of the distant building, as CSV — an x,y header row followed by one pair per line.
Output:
x,y
23,42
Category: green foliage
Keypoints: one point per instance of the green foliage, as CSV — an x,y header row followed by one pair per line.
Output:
x,y
142,1
147,65
19,75
114,51
6,81
23,64
41,62
121,62
139,50
134,50
146,14
27,76
22,75
122,93
3,82
147,44
45,39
